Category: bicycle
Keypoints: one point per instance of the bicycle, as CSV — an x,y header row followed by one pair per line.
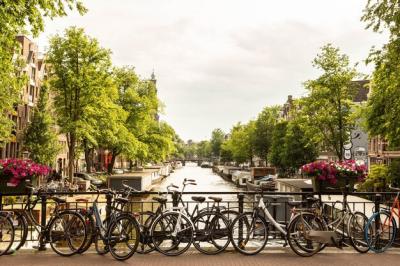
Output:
x,y
381,229
249,231
117,234
65,231
344,222
6,232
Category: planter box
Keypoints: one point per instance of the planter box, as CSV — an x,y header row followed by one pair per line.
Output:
x,y
5,188
323,186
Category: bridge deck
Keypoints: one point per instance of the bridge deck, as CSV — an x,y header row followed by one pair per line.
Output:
x,y
281,257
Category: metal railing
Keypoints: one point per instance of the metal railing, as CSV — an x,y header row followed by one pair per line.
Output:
x,y
367,202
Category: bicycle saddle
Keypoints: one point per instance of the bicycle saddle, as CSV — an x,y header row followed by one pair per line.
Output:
x,y
160,199
58,200
312,199
199,199
216,199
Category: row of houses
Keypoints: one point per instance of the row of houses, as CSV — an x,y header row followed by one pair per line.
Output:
x,y
22,114
363,148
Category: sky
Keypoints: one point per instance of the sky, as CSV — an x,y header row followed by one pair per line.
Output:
x,y
218,62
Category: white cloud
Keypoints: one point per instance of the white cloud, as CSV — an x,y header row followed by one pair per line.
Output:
x,y
219,62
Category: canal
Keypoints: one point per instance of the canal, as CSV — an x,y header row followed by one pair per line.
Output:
x,y
206,181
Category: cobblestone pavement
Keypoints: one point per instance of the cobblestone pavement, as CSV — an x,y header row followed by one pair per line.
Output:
x,y
193,258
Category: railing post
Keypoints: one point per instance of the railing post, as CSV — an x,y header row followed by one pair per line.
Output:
x,y
109,198
42,242
175,199
241,203
1,201
378,198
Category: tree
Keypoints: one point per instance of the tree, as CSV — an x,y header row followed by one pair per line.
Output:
x,y
204,149
277,154
240,142
21,16
40,138
380,14
297,149
79,75
217,138
327,111
264,127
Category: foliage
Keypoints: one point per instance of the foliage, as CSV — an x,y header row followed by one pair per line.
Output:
x,y
277,154
18,16
217,138
264,127
40,136
394,172
384,102
326,114
240,142
377,178
17,170
290,148
204,149
380,14
78,77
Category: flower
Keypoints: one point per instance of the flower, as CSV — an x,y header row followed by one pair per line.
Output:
x,y
17,170
330,171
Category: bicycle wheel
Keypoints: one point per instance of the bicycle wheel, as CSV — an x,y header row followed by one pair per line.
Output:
x,y
355,231
230,215
99,241
211,233
249,233
20,230
145,244
6,234
380,231
67,233
123,237
298,234
172,233
90,231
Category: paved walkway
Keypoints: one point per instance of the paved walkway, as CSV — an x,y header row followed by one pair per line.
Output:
x,y
193,258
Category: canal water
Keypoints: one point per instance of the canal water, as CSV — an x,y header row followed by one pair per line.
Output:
x,y
206,181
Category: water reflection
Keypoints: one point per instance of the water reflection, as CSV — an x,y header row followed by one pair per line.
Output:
x,y
206,181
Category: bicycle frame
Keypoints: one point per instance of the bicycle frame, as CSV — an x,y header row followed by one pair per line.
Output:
x,y
263,207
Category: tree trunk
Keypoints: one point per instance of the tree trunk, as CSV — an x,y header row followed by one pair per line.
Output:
x,y
111,164
71,156
88,156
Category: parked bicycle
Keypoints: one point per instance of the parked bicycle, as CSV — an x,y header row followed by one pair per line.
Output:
x,y
65,230
381,229
118,233
249,231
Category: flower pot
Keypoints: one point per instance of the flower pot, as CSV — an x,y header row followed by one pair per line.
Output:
x,y
323,186
6,187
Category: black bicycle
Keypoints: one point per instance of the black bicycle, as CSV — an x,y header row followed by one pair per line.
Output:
x,y
65,230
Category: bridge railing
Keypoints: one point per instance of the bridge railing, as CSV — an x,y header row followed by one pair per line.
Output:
x,y
277,203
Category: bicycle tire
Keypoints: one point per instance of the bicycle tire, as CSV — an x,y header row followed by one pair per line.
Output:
x,y
90,230
262,231
145,244
6,228
209,231
168,222
121,229
21,231
58,232
370,232
311,248
358,221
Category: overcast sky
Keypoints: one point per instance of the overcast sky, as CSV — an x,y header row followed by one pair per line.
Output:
x,y
218,62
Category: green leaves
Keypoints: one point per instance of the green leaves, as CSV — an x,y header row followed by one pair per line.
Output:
x,y
17,16
326,113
